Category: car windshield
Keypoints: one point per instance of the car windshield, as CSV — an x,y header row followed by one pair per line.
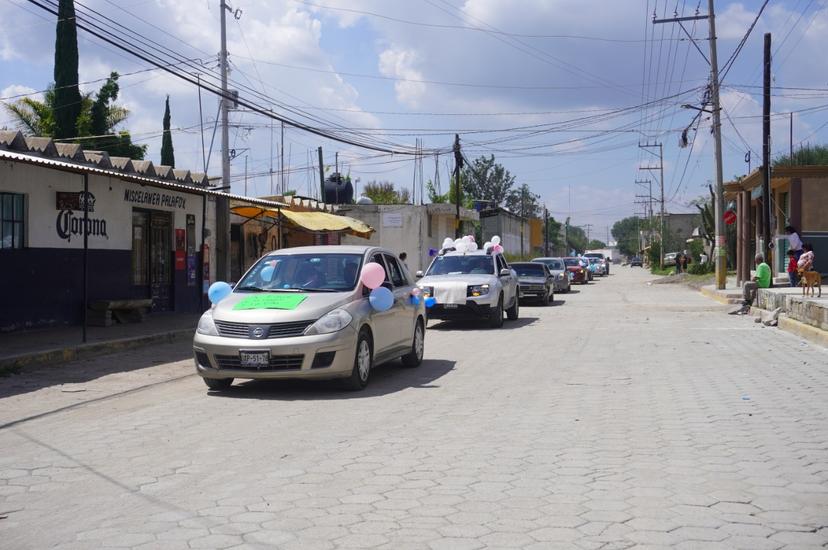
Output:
x,y
529,270
552,264
303,272
572,262
594,260
462,265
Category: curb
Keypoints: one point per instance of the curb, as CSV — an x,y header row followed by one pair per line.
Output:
x,y
808,332
727,299
56,356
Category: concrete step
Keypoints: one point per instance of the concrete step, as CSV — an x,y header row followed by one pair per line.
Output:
x,y
811,311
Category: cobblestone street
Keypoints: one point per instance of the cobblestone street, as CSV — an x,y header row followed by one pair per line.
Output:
x,y
626,415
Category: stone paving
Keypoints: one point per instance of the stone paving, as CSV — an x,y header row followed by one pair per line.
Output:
x,y
630,416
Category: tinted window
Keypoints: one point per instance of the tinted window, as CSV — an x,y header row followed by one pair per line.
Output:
x,y
321,272
530,270
572,262
462,265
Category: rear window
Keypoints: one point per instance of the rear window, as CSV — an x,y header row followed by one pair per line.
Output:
x,y
551,264
529,270
572,262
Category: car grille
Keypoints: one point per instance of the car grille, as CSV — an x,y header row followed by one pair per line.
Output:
x,y
532,287
278,330
277,363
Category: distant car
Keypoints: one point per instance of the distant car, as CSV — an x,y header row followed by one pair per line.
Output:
x,y
585,264
598,266
558,269
536,282
636,261
471,284
577,272
606,260
670,258
303,313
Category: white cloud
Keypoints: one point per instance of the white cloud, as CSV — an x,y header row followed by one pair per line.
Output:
x,y
17,91
400,63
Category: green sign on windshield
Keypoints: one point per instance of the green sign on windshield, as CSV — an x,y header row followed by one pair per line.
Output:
x,y
271,301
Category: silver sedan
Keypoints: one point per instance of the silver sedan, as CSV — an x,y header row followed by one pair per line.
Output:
x,y
556,265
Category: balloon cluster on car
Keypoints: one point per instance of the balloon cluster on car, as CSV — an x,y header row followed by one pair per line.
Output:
x,y
468,244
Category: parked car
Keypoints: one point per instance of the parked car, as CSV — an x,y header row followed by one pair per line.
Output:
x,y
471,284
536,282
670,258
303,313
558,269
636,261
585,264
598,266
577,272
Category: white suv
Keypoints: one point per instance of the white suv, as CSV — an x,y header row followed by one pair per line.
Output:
x,y
471,284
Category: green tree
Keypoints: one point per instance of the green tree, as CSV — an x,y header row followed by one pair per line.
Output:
x,y
67,98
523,202
433,196
626,234
486,180
555,236
595,244
575,238
167,151
386,193
34,117
816,155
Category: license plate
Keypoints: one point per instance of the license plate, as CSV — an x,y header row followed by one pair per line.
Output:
x,y
254,359
450,306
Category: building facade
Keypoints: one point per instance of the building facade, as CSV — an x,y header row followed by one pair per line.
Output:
x,y
514,231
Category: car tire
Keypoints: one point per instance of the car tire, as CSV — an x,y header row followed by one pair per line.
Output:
x,y
363,363
415,358
218,384
513,312
496,314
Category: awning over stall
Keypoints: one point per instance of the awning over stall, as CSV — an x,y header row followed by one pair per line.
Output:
x,y
315,222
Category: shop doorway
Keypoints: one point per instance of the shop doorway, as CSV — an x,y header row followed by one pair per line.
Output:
x,y
152,257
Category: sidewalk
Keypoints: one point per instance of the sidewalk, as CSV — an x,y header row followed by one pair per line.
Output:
x,y
60,344
804,316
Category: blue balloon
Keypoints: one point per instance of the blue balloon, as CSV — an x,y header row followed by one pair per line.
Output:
x,y
266,273
381,298
430,301
218,291
415,300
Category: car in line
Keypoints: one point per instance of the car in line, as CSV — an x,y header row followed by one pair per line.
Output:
x,y
303,313
563,281
598,266
578,273
478,284
536,282
605,259
636,261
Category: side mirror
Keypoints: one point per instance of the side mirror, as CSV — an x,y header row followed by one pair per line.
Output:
x,y
419,274
505,272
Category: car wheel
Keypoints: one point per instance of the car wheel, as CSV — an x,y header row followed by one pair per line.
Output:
x,y
363,362
414,358
218,384
496,314
514,311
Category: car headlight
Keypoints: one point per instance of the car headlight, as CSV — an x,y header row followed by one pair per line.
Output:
x,y
560,276
331,322
206,325
477,290
427,291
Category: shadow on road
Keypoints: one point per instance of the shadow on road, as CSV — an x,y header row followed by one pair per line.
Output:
x,y
86,370
475,324
385,379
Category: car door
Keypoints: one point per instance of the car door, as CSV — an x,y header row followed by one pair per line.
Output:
x,y
403,308
384,324
509,282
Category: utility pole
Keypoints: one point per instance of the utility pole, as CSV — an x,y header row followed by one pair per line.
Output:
x,y
588,228
651,169
721,240
282,161
222,204
522,215
458,163
321,176
545,231
245,175
766,169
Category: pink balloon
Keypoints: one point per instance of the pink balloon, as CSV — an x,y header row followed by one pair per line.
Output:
x,y
372,275
497,248
416,291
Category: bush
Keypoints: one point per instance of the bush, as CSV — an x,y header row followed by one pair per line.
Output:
x,y
701,269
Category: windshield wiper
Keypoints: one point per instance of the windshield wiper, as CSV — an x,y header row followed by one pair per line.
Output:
x,y
250,288
302,289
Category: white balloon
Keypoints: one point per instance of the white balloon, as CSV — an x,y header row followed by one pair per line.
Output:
x,y
448,242
472,246
487,245
496,240
467,239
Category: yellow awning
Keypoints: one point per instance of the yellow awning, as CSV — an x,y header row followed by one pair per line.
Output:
x,y
318,222
323,221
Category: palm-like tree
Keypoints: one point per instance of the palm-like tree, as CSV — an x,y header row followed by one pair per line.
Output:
x,y
33,116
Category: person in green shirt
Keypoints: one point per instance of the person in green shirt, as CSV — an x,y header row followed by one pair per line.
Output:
x,y
762,279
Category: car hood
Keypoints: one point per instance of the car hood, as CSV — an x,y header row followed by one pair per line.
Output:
x,y
532,279
451,289
557,272
314,306
574,268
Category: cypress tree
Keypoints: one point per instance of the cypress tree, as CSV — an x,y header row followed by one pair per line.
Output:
x,y
167,152
67,95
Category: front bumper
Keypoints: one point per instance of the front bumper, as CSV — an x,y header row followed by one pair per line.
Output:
x,y
470,309
533,291
218,356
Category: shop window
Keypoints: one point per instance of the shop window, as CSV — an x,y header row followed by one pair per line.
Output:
x,y
12,220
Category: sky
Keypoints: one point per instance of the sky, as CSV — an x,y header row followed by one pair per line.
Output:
x,y
561,92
